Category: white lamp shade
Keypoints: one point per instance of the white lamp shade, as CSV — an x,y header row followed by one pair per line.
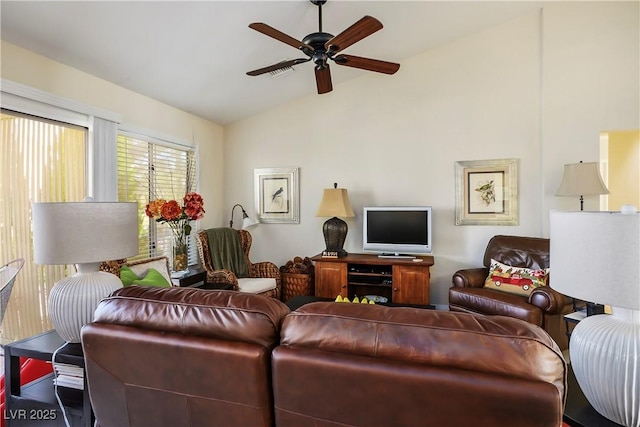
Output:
x,y
581,179
247,222
335,202
595,256
84,232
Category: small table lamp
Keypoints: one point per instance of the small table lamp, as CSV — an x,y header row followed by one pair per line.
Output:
x,y
581,179
595,256
82,233
335,203
246,221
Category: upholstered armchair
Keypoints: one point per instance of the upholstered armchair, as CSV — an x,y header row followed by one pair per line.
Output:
x,y
544,306
263,277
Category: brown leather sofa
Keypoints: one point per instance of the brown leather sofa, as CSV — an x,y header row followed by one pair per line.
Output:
x,y
188,357
182,357
544,307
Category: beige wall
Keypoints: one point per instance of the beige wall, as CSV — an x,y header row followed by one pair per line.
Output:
x,y
539,88
137,111
591,84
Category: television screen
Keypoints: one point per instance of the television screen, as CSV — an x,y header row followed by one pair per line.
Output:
x,y
397,230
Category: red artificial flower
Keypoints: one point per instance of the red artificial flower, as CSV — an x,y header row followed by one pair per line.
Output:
x,y
193,206
171,211
154,208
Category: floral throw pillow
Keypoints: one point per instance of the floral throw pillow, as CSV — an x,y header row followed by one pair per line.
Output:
x,y
515,280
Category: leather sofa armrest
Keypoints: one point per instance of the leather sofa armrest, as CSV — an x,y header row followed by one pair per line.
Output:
x,y
548,300
470,277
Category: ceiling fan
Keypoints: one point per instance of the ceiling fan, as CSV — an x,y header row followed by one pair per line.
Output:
x,y
321,47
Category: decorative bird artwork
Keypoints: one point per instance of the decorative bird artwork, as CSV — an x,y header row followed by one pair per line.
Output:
x,y
487,192
277,194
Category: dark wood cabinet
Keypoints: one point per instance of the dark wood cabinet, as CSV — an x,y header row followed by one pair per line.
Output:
x,y
410,284
399,280
331,279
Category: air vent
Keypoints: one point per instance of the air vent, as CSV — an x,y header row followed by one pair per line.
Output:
x,y
280,72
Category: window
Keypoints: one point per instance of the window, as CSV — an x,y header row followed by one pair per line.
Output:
x,y
53,149
40,161
150,169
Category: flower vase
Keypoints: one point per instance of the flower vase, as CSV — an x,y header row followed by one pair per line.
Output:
x,y
180,256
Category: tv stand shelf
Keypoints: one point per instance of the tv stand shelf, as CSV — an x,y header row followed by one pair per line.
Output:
x,y
400,280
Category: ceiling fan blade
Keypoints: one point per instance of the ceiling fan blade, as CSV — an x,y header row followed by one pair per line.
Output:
x,y
278,35
323,80
361,29
367,64
278,66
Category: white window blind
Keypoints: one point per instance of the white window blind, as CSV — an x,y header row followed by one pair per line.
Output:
x,y
40,161
148,170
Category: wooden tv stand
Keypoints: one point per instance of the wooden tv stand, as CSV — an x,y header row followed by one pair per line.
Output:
x,y
400,280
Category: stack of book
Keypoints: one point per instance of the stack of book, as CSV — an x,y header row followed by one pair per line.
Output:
x,y
70,376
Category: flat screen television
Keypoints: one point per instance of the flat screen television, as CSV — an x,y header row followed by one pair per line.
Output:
x,y
396,231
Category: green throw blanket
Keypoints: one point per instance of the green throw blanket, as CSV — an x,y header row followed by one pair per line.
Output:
x,y
226,251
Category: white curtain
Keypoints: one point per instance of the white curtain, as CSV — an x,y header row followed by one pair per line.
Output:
x,y
104,169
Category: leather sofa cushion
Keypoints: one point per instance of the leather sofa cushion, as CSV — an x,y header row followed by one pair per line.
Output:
x,y
369,365
224,315
501,345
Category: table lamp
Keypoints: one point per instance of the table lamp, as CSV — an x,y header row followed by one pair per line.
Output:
x,y
595,256
581,179
246,221
335,203
85,234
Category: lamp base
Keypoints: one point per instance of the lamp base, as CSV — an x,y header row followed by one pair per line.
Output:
x,y
335,233
605,355
74,299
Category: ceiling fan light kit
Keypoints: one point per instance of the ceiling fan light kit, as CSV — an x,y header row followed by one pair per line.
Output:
x,y
320,47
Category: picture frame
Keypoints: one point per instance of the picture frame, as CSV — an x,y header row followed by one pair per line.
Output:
x,y
487,192
277,197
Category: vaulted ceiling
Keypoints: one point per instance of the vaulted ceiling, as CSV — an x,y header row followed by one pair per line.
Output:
x,y
195,55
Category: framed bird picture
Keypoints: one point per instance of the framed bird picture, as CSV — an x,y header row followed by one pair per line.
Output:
x,y
277,195
487,192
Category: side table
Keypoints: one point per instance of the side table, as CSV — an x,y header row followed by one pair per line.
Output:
x,y
573,319
195,275
35,404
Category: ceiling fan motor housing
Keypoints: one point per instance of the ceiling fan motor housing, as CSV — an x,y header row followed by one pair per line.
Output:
x,y
319,54
316,41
